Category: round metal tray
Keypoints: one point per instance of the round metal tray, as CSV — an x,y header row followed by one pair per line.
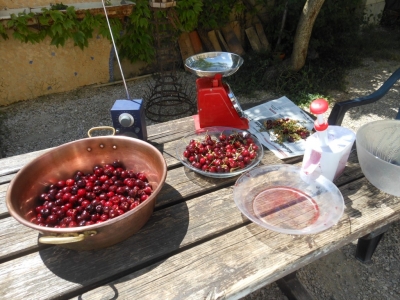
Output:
x,y
211,63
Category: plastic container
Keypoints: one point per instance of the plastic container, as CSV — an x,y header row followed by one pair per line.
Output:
x,y
279,198
326,151
378,151
329,160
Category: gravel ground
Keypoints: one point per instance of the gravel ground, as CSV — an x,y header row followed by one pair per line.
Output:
x,y
52,120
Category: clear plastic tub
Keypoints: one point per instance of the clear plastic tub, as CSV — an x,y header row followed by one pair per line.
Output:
x,y
378,150
281,198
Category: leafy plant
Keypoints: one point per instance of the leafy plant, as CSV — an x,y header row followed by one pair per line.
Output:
x,y
216,14
59,26
3,32
136,42
188,13
58,6
135,39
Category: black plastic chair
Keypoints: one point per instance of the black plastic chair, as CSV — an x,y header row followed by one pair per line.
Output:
x,y
367,244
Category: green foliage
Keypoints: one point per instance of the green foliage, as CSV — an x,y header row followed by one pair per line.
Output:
x,y
3,32
189,12
216,13
59,26
137,42
58,6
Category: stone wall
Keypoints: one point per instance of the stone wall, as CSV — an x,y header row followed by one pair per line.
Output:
x,y
11,4
32,70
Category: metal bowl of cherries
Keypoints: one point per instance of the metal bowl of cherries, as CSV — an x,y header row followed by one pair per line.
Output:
x,y
220,152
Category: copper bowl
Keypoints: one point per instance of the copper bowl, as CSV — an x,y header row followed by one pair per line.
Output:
x,y
61,162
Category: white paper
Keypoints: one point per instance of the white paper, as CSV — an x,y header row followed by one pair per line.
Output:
x,y
277,109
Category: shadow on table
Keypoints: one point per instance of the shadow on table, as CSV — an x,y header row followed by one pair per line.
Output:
x,y
204,181
160,236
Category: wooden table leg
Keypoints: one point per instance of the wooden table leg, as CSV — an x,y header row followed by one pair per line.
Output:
x,y
292,288
367,244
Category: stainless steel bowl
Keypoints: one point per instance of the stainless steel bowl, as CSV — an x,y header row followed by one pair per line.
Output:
x,y
61,162
211,63
214,132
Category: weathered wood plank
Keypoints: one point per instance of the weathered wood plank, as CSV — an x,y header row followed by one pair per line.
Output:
x,y
182,175
221,261
232,40
167,231
12,231
158,133
6,178
171,130
12,164
181,183
222,41
244,260
214,40
185,46
261,35
3,206
351,172
253,39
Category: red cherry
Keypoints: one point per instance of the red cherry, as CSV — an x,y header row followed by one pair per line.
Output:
x,y
81,193
84,199
70,182
60,184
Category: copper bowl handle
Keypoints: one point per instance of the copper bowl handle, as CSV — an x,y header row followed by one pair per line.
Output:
x,y
66,238
100,128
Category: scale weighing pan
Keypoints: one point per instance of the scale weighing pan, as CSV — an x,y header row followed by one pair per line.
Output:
x,y
211,63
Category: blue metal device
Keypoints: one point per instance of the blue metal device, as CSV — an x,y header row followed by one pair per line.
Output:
x,y
128,118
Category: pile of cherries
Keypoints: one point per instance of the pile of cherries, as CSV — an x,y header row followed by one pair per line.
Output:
x,y
224,154
87,199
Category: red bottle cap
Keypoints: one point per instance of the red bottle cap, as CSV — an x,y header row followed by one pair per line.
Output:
x,y
319,106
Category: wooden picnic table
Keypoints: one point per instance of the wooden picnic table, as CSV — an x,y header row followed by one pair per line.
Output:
x,y
196,245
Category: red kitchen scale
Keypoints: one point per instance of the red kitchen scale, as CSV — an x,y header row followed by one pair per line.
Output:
x,y
216,103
